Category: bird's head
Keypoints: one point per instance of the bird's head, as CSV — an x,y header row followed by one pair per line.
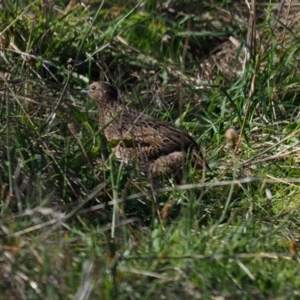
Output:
x,y
101,91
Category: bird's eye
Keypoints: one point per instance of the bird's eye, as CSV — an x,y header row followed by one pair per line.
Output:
x,y
93,88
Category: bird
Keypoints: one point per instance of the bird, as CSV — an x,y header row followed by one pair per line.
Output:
x,y
159,147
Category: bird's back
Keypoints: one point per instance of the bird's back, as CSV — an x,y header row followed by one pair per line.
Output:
x,y
136,129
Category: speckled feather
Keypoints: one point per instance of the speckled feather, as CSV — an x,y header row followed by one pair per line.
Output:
x,y
136,136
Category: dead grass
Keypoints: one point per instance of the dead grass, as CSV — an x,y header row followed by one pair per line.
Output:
x,y
75,223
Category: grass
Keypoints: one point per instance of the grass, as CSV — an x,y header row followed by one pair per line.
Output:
x,y
78,224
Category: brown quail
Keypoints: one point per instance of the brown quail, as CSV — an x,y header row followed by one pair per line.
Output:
x,y
158,146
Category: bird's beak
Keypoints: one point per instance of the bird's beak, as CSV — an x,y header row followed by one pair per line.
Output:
x,y
85,91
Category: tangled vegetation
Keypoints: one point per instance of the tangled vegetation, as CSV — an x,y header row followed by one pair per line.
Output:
x,y
78,224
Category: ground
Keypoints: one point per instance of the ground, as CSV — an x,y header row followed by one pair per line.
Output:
x,y
77,223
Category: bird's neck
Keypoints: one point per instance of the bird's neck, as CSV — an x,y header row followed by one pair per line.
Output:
x,y
108,111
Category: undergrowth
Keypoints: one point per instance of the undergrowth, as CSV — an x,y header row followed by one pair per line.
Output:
x,y
78,224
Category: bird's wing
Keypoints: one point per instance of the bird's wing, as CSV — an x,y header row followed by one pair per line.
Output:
x,y
149,131
154,137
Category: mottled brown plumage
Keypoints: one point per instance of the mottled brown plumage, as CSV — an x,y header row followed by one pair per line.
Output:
x,y
158,146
